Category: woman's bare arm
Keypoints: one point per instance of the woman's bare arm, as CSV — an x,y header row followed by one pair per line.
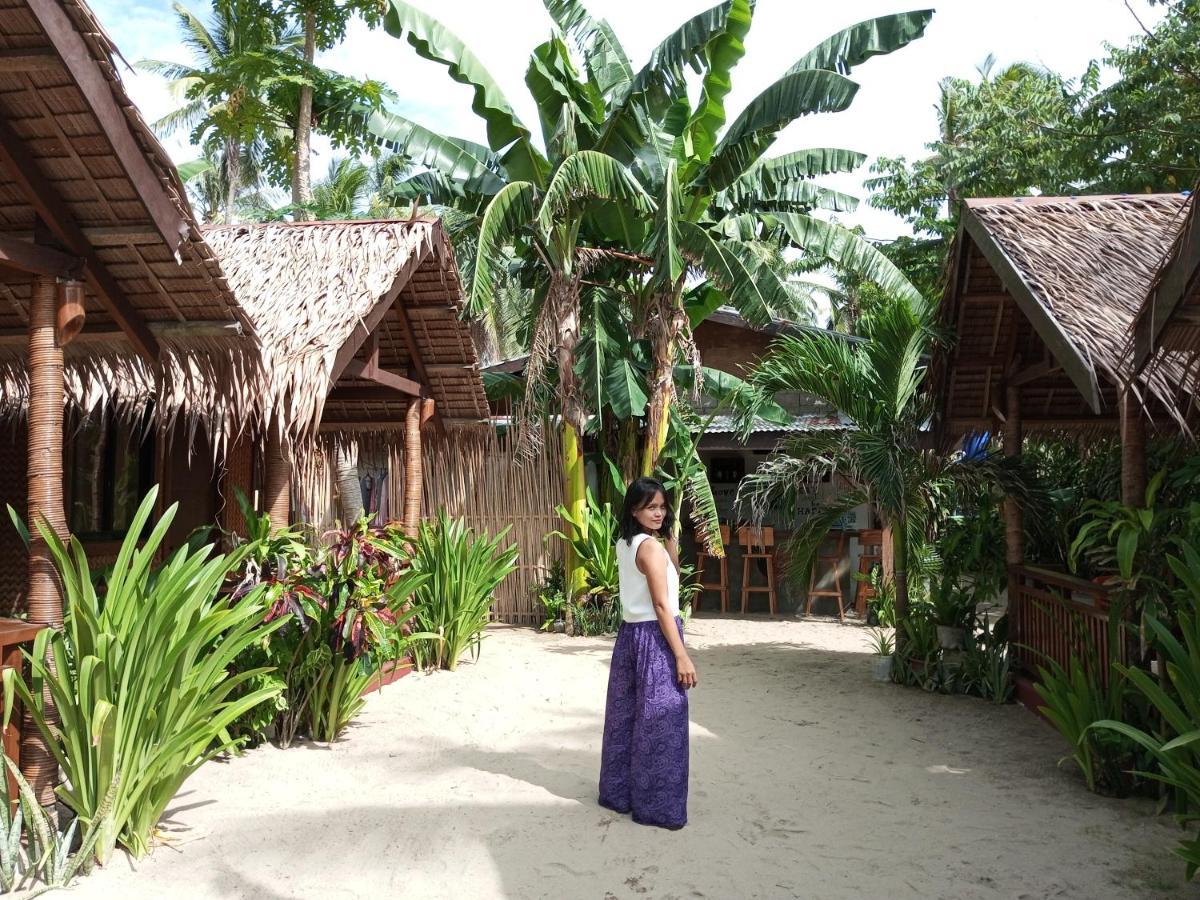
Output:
x,y
652,562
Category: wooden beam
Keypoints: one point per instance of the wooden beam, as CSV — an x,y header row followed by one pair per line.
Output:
x,y
371,320
1034,372
1059,343
34,59
374,393
960,424
38,260
53,212
161,329
168,218
396,383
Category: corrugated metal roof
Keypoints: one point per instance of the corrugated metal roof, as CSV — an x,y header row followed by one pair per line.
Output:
x,y
798,425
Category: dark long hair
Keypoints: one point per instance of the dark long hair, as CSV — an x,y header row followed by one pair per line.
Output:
x,y
638,495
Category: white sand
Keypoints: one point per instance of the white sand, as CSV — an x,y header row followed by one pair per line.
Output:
x,y
808,780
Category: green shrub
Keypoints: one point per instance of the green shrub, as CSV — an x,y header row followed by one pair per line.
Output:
x,y
139,677
1075,697
453,604
344,616
1177,701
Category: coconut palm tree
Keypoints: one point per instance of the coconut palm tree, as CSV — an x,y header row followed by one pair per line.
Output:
x,y
226,107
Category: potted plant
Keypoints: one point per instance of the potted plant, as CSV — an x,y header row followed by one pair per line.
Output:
x,y
953,612
883,646
921,646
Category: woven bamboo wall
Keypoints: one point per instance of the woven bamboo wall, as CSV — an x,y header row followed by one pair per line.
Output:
x,y
14,560
472,474
481,480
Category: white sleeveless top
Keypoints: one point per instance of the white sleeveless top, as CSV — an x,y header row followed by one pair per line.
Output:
x,y
636,604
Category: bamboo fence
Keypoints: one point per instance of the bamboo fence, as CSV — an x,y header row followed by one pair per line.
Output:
x,y
472,474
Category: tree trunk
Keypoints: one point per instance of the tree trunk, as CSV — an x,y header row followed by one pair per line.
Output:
x,y
45,475
345,463
899,532
627,450
1133,451
667,324
414,475
278,500
575,499
1014,523
301,171
233,177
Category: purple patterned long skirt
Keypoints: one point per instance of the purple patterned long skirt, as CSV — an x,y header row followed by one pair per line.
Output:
x,y
644,761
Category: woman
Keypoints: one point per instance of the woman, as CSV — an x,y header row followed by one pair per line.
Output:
x,y
644,762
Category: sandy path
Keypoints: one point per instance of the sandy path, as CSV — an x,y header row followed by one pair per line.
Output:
x,y
808,780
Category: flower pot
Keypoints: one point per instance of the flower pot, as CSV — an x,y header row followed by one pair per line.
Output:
x,y
560,626
881,668
950,637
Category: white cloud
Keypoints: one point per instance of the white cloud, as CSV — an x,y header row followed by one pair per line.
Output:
x,y
893,113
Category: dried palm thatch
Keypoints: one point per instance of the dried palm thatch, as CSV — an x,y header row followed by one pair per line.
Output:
x,y
1044,291
84,170
1168,322
321,294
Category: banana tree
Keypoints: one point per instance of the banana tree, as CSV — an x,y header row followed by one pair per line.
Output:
x,y
718,195
548,223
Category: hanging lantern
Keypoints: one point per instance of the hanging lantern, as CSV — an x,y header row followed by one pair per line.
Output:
x,y
71,313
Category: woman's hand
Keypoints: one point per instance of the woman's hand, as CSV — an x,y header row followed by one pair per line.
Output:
x,y
686,671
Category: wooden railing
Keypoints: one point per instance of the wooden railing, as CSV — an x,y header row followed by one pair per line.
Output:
x,y
1053,615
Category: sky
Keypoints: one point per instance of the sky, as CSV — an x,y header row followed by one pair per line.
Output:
x,y
893,113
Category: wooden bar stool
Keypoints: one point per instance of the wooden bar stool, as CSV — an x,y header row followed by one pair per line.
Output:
x,y
871,544
758,543
722,583
833,561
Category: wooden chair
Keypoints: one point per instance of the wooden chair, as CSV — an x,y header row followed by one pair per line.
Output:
x,y
833,562
871,544
721,585
758,543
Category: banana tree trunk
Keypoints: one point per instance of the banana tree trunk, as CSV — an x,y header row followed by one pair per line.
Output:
x,y
302,170
575,496
45,474
668,323
345,463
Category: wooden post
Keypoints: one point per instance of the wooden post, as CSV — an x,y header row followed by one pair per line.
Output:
x,y
45,473
1014,524
1133,450
278,500
414,473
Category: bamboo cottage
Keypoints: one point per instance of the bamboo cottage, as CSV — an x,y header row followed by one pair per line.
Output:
x,y
110,294
363,347
1042,294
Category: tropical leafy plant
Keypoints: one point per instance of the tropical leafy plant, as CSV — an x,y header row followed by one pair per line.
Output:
x,y
47,854
884,458
1176,752
1075,697
139,676
462,571
881,642
343,617
986,668
594,543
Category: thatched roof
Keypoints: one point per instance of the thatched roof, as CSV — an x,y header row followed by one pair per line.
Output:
x,y
80,169
323,295
1169,318
1043,293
